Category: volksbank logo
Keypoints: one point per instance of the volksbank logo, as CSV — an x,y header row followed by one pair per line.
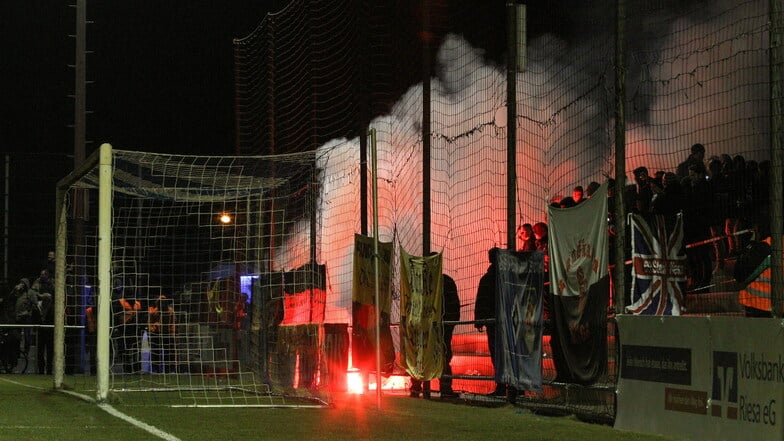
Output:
x,y
725,385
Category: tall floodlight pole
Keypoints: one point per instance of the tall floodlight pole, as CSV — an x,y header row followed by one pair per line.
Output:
x,y
515,62
6,217
374,171
776,157
426,68
80,122
80,83
620,156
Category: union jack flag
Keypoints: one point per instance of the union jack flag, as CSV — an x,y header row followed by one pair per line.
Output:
x,y
658,267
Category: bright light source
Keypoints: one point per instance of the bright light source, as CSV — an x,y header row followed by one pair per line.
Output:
x,y
392,382
225,218
354,381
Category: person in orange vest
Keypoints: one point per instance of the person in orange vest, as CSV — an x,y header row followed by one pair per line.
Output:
x,y
161,327
239,311
755,295
91,343
125,332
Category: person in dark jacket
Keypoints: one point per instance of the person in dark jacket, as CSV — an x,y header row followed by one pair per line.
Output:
x,y
451,311
45,340
27,310
484,309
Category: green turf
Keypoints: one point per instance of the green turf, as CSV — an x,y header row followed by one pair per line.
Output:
x,y
31,410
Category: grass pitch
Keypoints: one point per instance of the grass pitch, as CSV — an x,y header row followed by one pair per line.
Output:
x,y
31,410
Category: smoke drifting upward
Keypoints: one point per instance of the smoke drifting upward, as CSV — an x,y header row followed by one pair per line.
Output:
x,y
707,82
699,78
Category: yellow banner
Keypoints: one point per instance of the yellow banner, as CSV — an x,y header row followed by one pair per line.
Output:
x,y
364,287
363,305
421,326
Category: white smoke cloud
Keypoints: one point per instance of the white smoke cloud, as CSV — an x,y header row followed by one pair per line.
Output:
x,y
706,83
709,83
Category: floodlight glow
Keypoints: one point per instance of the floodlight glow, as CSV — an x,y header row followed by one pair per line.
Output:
x,y
225,218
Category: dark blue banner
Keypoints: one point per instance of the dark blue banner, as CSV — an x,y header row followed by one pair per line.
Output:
x,y
520,284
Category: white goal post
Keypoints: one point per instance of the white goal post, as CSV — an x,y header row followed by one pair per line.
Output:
x,y
172,274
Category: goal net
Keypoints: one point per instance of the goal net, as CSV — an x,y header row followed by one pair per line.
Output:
x,y
195,279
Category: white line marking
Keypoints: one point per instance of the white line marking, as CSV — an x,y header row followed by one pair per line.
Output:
x,y
20,384
127,418
108,409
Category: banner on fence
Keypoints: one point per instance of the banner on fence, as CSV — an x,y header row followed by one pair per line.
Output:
x,y
658,266
421,331
519,326
305,295
578,247
363,305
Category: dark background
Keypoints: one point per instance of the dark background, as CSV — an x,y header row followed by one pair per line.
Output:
x,y
161,73
161,79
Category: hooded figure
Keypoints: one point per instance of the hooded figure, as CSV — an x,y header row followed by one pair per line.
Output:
x,y
26,303
28,311
23,285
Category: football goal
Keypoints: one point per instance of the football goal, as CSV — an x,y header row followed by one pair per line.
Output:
x,y
173,275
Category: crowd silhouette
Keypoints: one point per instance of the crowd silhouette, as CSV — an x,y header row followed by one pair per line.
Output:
x,y
722,200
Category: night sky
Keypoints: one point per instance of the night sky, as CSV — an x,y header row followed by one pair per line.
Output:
x,y
162,80
161,76
161,72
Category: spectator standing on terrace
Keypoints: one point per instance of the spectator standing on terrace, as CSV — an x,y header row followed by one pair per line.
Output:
x,y
27,311
525,237
541,238
45,342
161,328
696,158
739,218
721,191
698,215
125,330
50,264
670,200
645,190
484,309
591,189
658,178
46,282
729,190
91,336
578,194
567,202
